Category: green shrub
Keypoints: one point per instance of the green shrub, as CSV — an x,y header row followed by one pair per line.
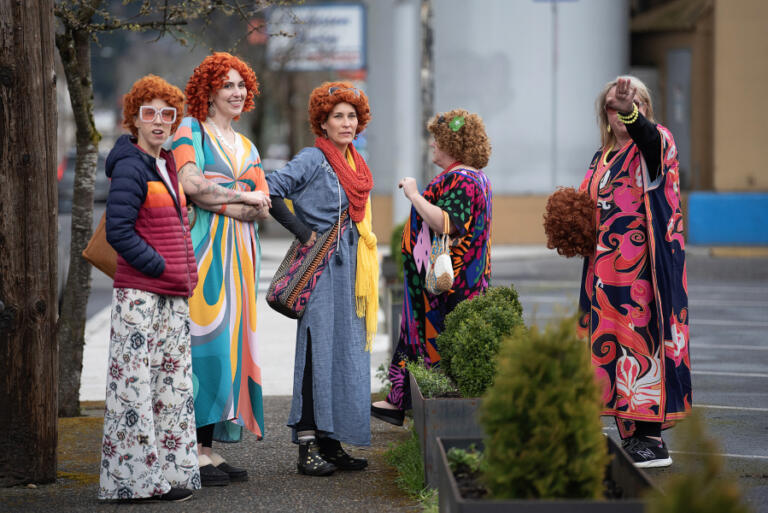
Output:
x,y
432,382
542,418
467,460
702,486
473,331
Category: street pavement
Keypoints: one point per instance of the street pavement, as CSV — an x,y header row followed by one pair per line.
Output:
x,y
728,303
728,293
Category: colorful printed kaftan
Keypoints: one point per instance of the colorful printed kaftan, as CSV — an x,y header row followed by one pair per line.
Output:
x,y
225,359
465,194
634,294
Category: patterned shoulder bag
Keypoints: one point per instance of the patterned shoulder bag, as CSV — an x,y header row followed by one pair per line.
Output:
x,y
297,275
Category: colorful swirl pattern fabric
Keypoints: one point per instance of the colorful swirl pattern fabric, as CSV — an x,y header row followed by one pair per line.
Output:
x,y
465,194
225,357
634,293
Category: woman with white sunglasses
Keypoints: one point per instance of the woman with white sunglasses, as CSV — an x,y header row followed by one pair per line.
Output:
x,y
149,447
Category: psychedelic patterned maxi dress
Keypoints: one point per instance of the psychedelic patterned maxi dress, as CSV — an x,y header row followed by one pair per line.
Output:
x,y
465,194
225,362
634,293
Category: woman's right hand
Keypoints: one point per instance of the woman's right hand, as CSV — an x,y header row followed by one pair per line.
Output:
x,y
257,199
311,240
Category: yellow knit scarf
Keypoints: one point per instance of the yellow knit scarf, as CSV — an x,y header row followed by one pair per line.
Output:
x,y
367,277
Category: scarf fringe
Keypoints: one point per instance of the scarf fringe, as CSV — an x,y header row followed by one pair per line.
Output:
x,y
367,280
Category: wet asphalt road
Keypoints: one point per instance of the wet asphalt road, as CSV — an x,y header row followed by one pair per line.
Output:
x,y
728,303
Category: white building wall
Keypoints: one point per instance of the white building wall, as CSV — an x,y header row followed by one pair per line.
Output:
x,y
531,69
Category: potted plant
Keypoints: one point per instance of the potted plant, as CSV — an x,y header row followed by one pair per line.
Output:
x,y
544,446
468,347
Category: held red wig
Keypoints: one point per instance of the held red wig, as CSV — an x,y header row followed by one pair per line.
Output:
x,y
322,102
145,90
569,222
209,77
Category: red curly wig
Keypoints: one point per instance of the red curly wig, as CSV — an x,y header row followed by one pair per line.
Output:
x,y
145,90
209,77
569,222
321,103
469,144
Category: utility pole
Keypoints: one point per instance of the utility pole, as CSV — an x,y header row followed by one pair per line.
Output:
x,y
28,238
427,81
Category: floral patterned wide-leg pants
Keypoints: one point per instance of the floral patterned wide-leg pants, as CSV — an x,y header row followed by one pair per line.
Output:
x,y
149,439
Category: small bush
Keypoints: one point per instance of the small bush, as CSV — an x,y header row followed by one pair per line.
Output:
x,y
702,487
542,418
432,382
467,460
473,331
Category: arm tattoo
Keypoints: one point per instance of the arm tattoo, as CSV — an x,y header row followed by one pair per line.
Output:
x,y
202,190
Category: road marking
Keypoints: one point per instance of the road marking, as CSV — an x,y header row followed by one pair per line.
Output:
x,y
721,322
734,374
723,455
719,407
728,346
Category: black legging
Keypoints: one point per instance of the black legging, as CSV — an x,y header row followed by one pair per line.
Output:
x,y
307,420
205,435
647,428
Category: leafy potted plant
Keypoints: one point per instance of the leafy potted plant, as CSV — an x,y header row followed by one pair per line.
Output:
x,y
544,446
468,347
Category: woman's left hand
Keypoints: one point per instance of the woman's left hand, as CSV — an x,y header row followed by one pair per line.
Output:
x,y
409,187
623,96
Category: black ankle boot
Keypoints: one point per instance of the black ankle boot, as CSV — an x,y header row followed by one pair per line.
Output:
x,y
310,462
332,452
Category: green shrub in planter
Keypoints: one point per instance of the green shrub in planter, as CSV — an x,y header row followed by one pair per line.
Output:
x,y
432,381
702,487
473,331
542,418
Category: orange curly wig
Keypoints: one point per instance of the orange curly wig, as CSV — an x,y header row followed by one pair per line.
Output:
x,y
145,90
321,104
209,77
569,222
469,144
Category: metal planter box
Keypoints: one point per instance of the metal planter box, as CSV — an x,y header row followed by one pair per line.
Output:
x,y
445,417
630,482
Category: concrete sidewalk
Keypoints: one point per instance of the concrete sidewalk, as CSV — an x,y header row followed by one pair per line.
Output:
x,y
273,486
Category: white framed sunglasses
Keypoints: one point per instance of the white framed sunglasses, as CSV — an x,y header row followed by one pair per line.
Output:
x,y
335,89
148,114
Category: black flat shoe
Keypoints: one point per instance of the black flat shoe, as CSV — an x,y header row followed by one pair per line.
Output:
x,y
172,495
332,452
395,417
235,474
212,476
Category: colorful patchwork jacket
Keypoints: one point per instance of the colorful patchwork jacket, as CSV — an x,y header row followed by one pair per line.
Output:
x,y
147,225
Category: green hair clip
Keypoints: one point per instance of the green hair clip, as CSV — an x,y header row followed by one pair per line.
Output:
x,y
456,123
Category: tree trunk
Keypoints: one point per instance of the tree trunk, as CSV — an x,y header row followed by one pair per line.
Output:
x,y
28,236
75,52
427,90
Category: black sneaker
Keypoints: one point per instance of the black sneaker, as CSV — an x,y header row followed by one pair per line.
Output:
x,y
395,417
647,452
